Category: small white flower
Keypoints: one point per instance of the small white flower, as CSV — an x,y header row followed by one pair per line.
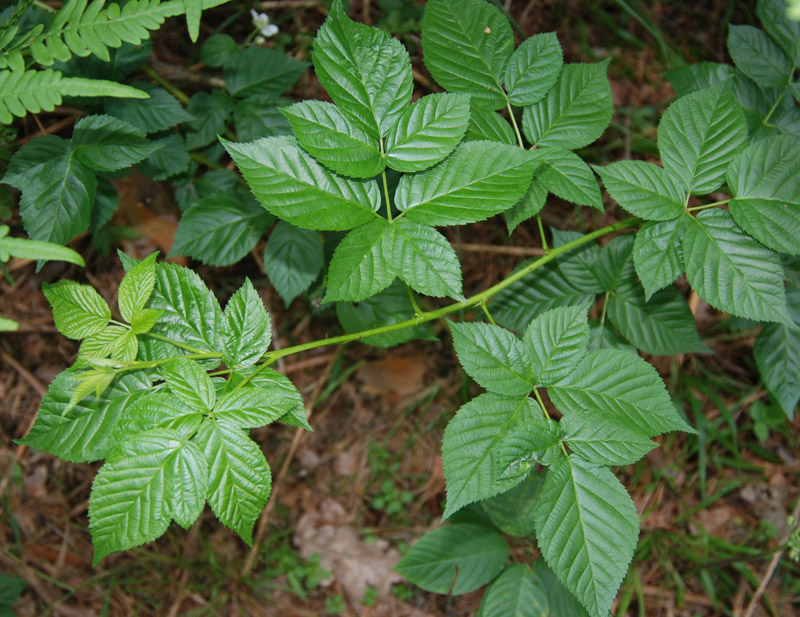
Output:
x,y
261,23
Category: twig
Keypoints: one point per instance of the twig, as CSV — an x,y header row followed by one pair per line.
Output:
x,y
290,4
53,128
690,598
502,250
297,438
773,565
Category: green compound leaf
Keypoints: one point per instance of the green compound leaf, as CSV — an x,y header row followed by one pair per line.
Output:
x,y
565,174
251,407
247,329
759,57
485,125
293,258
480,179
427,132
260,71
765,179
260,116
455,559
518,591
282,391
605,439
78,310
137,491
191,314
658,254
83,431
106,143
221,230
493,357
189,383
360,266
731,271
533,69
528,207
644,189
366,72
535,293
556,341
514,511
391,306
587,529
210,112
575,112
467,45
473,446
295,188
239,477
699,135
158,113
331,137
785,31
621,384
58,191
663,325
424,259
136,287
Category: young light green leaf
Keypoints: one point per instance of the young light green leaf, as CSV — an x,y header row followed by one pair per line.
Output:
x,y
605,439
587,528
78,310
210,111
663,325
295,188
190,383
427,132
514,511
565,174
485,125
251,407
644,189
102,344
699,135
467,45
83,432
528,207
658,255
480,179
221,229
533,69
136,287
493,357
331,137
24,248
106,143
144,321
258,70
239,477
786,31
293,258
765,179
158,113
621,384
360,266
575,112
758,56
556,341
515,593
424,259
247,329
455,559
391,306
365,71
731,271
548,287
472,447
191,314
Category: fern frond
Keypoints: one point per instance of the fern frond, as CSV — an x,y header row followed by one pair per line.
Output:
x,y
33,91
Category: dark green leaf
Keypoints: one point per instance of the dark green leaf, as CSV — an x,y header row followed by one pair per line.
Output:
x,y
106,143
293,258
485,125
644,189
260,116
786,31
217,49
158,113
699,76
657,254
605,439
360,266
565,174
533,69
257,70
170,159
528,207
517,592
513,512
758,56
210,112
556,341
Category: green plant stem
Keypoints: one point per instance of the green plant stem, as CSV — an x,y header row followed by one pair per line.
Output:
x,y
514,124
166,84
605,305
706,206
487,313
774,106
386,196
473,301
541,233
417,310
541,403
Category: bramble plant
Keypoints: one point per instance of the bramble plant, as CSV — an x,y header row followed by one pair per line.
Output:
x,y
166,388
